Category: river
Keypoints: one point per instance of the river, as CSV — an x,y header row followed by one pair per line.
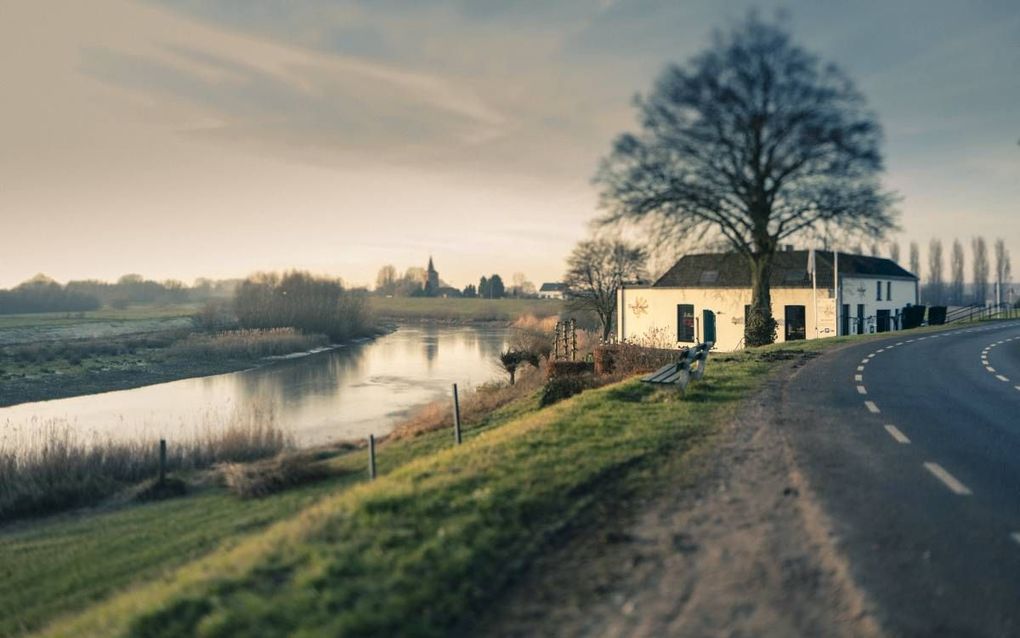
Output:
x,y
346,393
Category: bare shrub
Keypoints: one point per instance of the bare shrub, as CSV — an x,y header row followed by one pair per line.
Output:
x,y
268,476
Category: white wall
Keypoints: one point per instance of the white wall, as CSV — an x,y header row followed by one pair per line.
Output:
x,y
649,315
862,290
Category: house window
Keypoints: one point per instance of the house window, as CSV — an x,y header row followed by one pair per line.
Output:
x,y
878,291
685,322
888,290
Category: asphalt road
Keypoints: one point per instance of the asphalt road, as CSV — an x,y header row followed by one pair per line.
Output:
x,y
912,446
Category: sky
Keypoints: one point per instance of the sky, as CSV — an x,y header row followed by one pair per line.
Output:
x,y
188,138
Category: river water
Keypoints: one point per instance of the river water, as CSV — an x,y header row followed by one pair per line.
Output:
x,y
346,393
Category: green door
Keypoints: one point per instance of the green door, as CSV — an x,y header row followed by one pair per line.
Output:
x,y
708,321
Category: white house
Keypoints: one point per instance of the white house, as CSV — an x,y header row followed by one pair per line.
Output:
x,y
552,291
705,298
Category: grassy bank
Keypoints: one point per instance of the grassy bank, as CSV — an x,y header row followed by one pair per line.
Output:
x,y
53,369
420,549
131,313
463,310
120,545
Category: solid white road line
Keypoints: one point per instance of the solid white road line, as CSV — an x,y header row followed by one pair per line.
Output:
x,y
861,390
895,433
948,479
871,407
1002,378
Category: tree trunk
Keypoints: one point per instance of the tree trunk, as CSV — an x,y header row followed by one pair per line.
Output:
x,y
513,374
760,328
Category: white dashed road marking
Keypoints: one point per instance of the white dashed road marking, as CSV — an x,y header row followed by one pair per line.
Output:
x,y
858,378
1016,536
895,433
990,368
871,407
955,486
1002,378
861,390
860,368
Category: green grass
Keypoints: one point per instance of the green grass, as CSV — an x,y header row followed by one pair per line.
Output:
x,y
131,313
407,308
425,546
68,562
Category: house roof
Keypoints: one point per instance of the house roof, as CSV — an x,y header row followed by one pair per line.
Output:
x,y
789,270
552,287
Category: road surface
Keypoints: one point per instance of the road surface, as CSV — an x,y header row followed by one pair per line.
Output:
x,y
912,445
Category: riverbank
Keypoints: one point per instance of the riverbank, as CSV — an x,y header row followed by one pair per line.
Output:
x,y
59,369
435,539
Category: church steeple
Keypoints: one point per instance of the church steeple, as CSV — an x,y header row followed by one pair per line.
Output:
x,y
431,280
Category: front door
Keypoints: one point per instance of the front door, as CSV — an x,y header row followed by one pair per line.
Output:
x,y
795,324
844,320
882,320
708,326
860,318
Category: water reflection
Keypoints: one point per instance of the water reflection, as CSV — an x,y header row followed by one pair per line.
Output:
x,y
344,393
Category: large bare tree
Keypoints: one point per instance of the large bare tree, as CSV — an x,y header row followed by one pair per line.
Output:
x,y
751,142
595,271
980,264
956,274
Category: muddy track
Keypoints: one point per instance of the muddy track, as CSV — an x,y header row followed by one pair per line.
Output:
x,y
745,551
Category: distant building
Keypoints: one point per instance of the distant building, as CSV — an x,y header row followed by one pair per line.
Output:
x,y
431,280
707,297
552,291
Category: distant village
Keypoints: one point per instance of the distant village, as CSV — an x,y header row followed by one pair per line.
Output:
x,y
426,282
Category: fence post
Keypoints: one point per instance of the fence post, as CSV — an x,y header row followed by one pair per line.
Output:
x,y
371,457
162,461
573,339
456,415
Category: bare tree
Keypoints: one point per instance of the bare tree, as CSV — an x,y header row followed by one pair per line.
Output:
x,y
595,271
876,250
935,280
751,142
386,280
894,251
980,265
915,259
1002,270
956,268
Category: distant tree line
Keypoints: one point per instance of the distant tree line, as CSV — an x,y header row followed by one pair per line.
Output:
x,y
311,304
412,284
990,281
43,294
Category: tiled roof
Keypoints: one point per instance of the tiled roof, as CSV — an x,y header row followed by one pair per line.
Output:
x,y
552,287
789,270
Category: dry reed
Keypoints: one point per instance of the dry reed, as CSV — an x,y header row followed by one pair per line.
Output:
x,y
247,344
55,469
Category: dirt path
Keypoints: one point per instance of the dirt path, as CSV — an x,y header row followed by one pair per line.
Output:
x,y
745,552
